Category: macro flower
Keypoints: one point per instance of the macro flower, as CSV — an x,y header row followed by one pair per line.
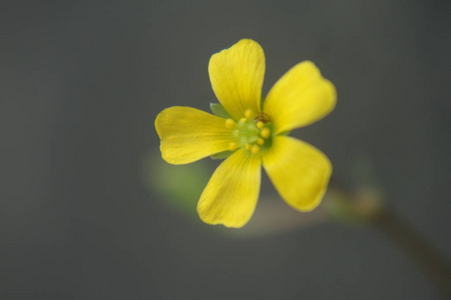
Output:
x,y
252,133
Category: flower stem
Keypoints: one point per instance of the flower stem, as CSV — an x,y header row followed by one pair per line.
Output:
x,y
415,247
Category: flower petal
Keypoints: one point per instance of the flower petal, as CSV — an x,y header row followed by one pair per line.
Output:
x,y
188,134
236,75
301,97
232,192
299,171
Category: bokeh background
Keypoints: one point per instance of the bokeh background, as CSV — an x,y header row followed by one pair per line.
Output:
x,y
81,83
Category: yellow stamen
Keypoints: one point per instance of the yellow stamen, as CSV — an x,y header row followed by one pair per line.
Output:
x,y
255,149
229,123
242,120
260,141
248,147
265,133
260,124
233,146
248,113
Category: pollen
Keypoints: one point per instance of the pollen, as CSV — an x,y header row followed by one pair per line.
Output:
x,y
248,113
260,141
260,124
265,133
233,146
262,117
255,149
229,123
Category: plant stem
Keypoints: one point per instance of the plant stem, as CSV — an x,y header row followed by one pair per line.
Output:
x,y
414,246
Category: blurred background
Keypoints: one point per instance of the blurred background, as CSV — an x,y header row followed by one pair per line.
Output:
x,y
83,208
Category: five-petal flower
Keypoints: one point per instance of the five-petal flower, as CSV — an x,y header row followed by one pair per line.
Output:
x,y
254,133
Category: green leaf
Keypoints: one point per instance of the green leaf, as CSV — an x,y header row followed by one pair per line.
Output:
x,y
219,111
179,186
221,155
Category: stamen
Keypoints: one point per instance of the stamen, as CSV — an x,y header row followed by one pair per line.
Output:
x,y
229,123
249,132
248,113
255,149
233,146
265,133
262,117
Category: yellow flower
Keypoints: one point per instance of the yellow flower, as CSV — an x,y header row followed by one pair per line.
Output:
x,y
254,133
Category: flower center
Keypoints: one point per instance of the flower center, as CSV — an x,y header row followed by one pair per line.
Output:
x,y
252,132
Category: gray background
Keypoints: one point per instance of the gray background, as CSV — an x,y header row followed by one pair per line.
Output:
x,y
81,83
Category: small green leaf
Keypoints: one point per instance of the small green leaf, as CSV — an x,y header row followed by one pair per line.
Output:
x,y
219,111
221,155
178,186
285,132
